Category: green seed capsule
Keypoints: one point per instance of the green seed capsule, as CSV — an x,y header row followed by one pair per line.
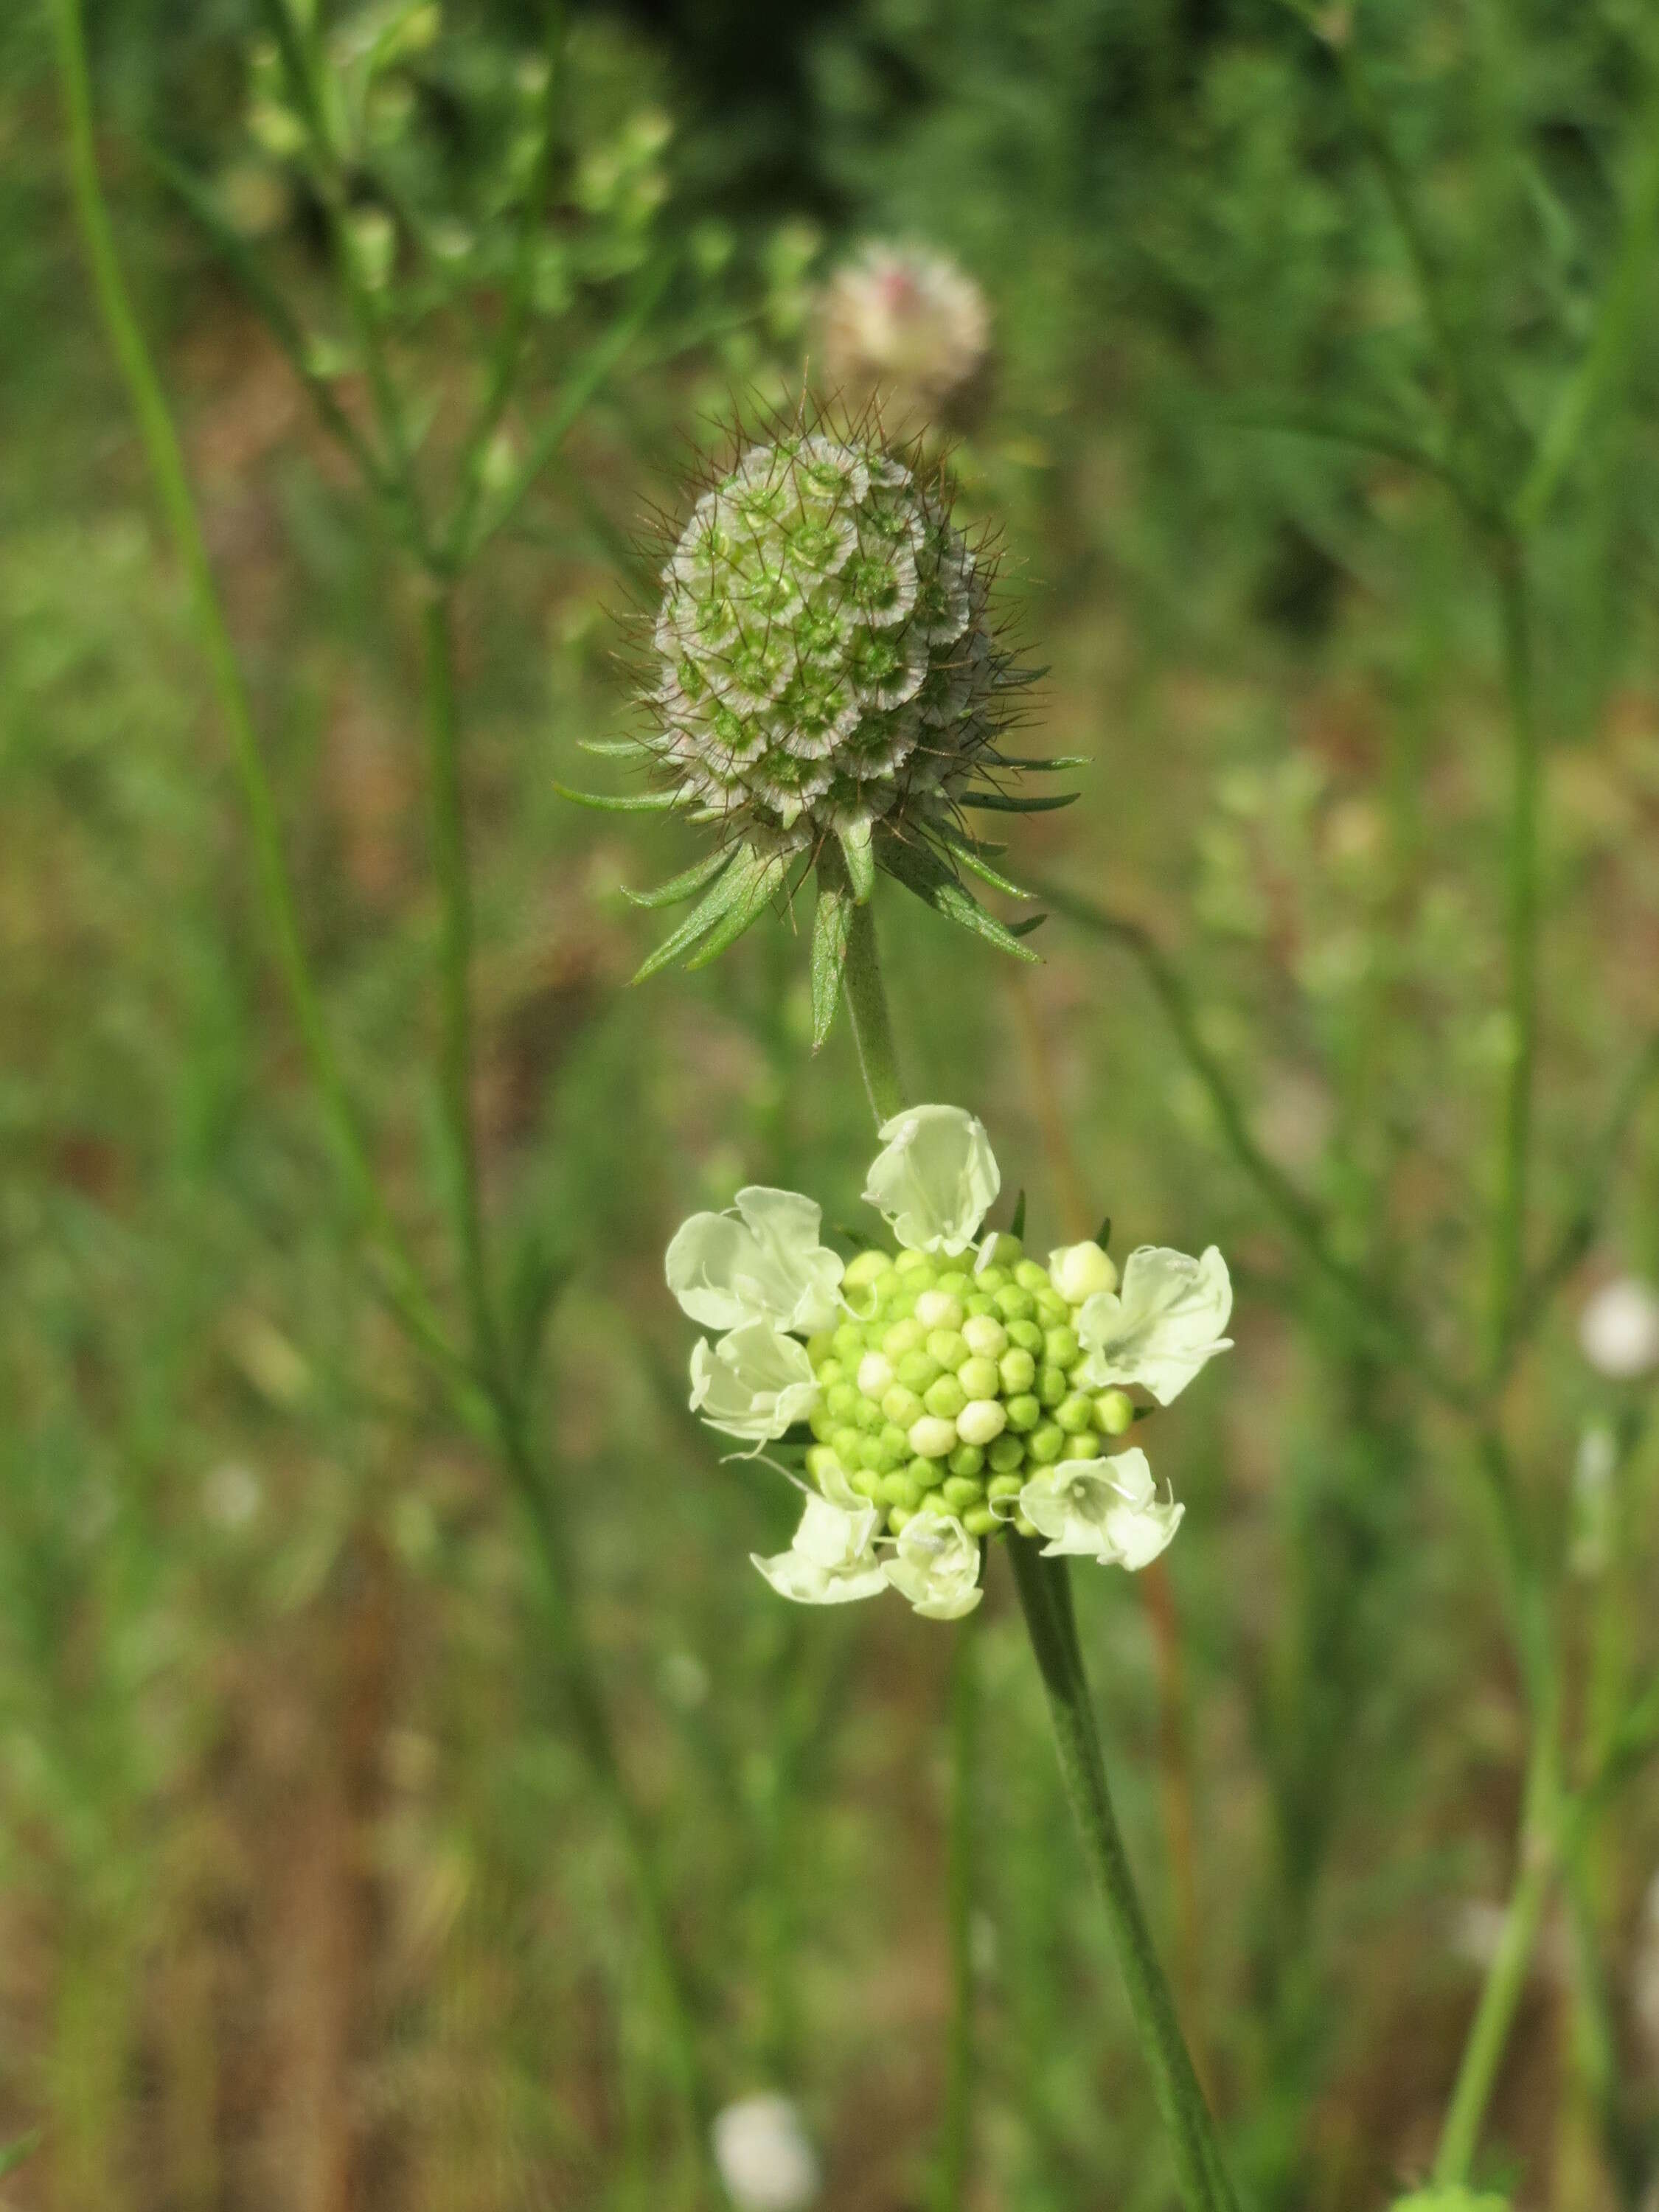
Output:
x,y
897,1515
849,1345
897,1489
1051,1310
1060,1347
1025,1336
992,1279
960,1491
914,1265
936,1309
926,1474
979,1378
820,1346
1031,1275
829,1372
869,1416
1005,1486
901,1305
1076,1416
895,1437
842,1399
1114,1413
1017,1371
917,1370
1024,1528
823,1424
967,1461
845,1442
902,1406
949,1346
1006,1454
866,1483
978,1302
881,1457
957,1281
934,1502
821,1460
1015,1305
1002,1251
980,1521
946,1397
1046,1442
1051,1385
902,1336
1024,1410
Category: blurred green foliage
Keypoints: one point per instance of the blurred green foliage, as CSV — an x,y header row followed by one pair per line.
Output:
x,y
307,1901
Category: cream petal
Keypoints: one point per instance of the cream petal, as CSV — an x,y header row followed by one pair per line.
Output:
x,y
754,1383
935,1179
831,1561
1106,1509
765,1262
1165,1323
935,1564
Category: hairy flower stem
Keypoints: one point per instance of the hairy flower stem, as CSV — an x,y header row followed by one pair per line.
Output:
x,y
1045,1600
872,1022
955,2131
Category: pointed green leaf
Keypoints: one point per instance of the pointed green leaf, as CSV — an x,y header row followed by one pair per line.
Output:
x,y
1045,767
616,748
1004,802
1017,1226
971,854
1032,921
681,886
860,859
831,924
1104,1236
697,924
637,802
763,886
921,870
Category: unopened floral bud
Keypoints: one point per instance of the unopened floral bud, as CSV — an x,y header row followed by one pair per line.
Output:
x,y
907,1335
1001,1250
985,1336
961,1491
1619,1329
902,1406
1024,1412
918,1369
932,1437
1051,1386
966,1459
1015,1303
946,1397
938,1308
979,1378
1114,1413
1076,1416
1025,1335
1060,1347
949,1346
875,1374
1079,1270
980,1521
867,1268
763,2156
1018,1369
1046,1442
981,1421
1006,1454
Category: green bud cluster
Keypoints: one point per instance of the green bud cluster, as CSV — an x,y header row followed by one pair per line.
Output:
x,y
946,1387
824,652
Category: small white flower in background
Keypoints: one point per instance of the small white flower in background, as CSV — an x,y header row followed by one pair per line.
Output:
x,y
1619,1329
231,1495
954,1391
764,2157
906,323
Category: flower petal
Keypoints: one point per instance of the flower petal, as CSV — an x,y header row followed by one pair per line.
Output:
x,y
936,1566
766,1263
935,1179
831,1561
754,1383
1105,1509
1162,1325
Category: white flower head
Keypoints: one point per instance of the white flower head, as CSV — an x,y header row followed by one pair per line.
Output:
x,y
1105,1509
754,1383
1162,1325
1619,1329
831,1560
765,2160
764,1263
935,1564
935,1178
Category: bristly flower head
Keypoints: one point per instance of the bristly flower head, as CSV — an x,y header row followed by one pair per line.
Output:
x,y
928,1400
829,690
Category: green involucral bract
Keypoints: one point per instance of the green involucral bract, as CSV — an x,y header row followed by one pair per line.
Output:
x,y
940,1393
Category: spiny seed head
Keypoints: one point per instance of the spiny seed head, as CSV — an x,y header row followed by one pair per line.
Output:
x,y
825,657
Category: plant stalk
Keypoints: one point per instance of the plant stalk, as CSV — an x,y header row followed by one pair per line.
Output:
x,y
1521,948
956,2134
1045,1600
872,1021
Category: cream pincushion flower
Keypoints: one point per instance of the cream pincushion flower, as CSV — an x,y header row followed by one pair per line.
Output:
x,y
905,326
928,1400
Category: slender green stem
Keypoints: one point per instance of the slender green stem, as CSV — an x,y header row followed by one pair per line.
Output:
x,y
404,1287
1506,1976
955,2135
872,1020
1521,947
1045,1600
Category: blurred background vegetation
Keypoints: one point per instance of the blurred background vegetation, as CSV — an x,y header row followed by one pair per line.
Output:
x,y
306,1900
